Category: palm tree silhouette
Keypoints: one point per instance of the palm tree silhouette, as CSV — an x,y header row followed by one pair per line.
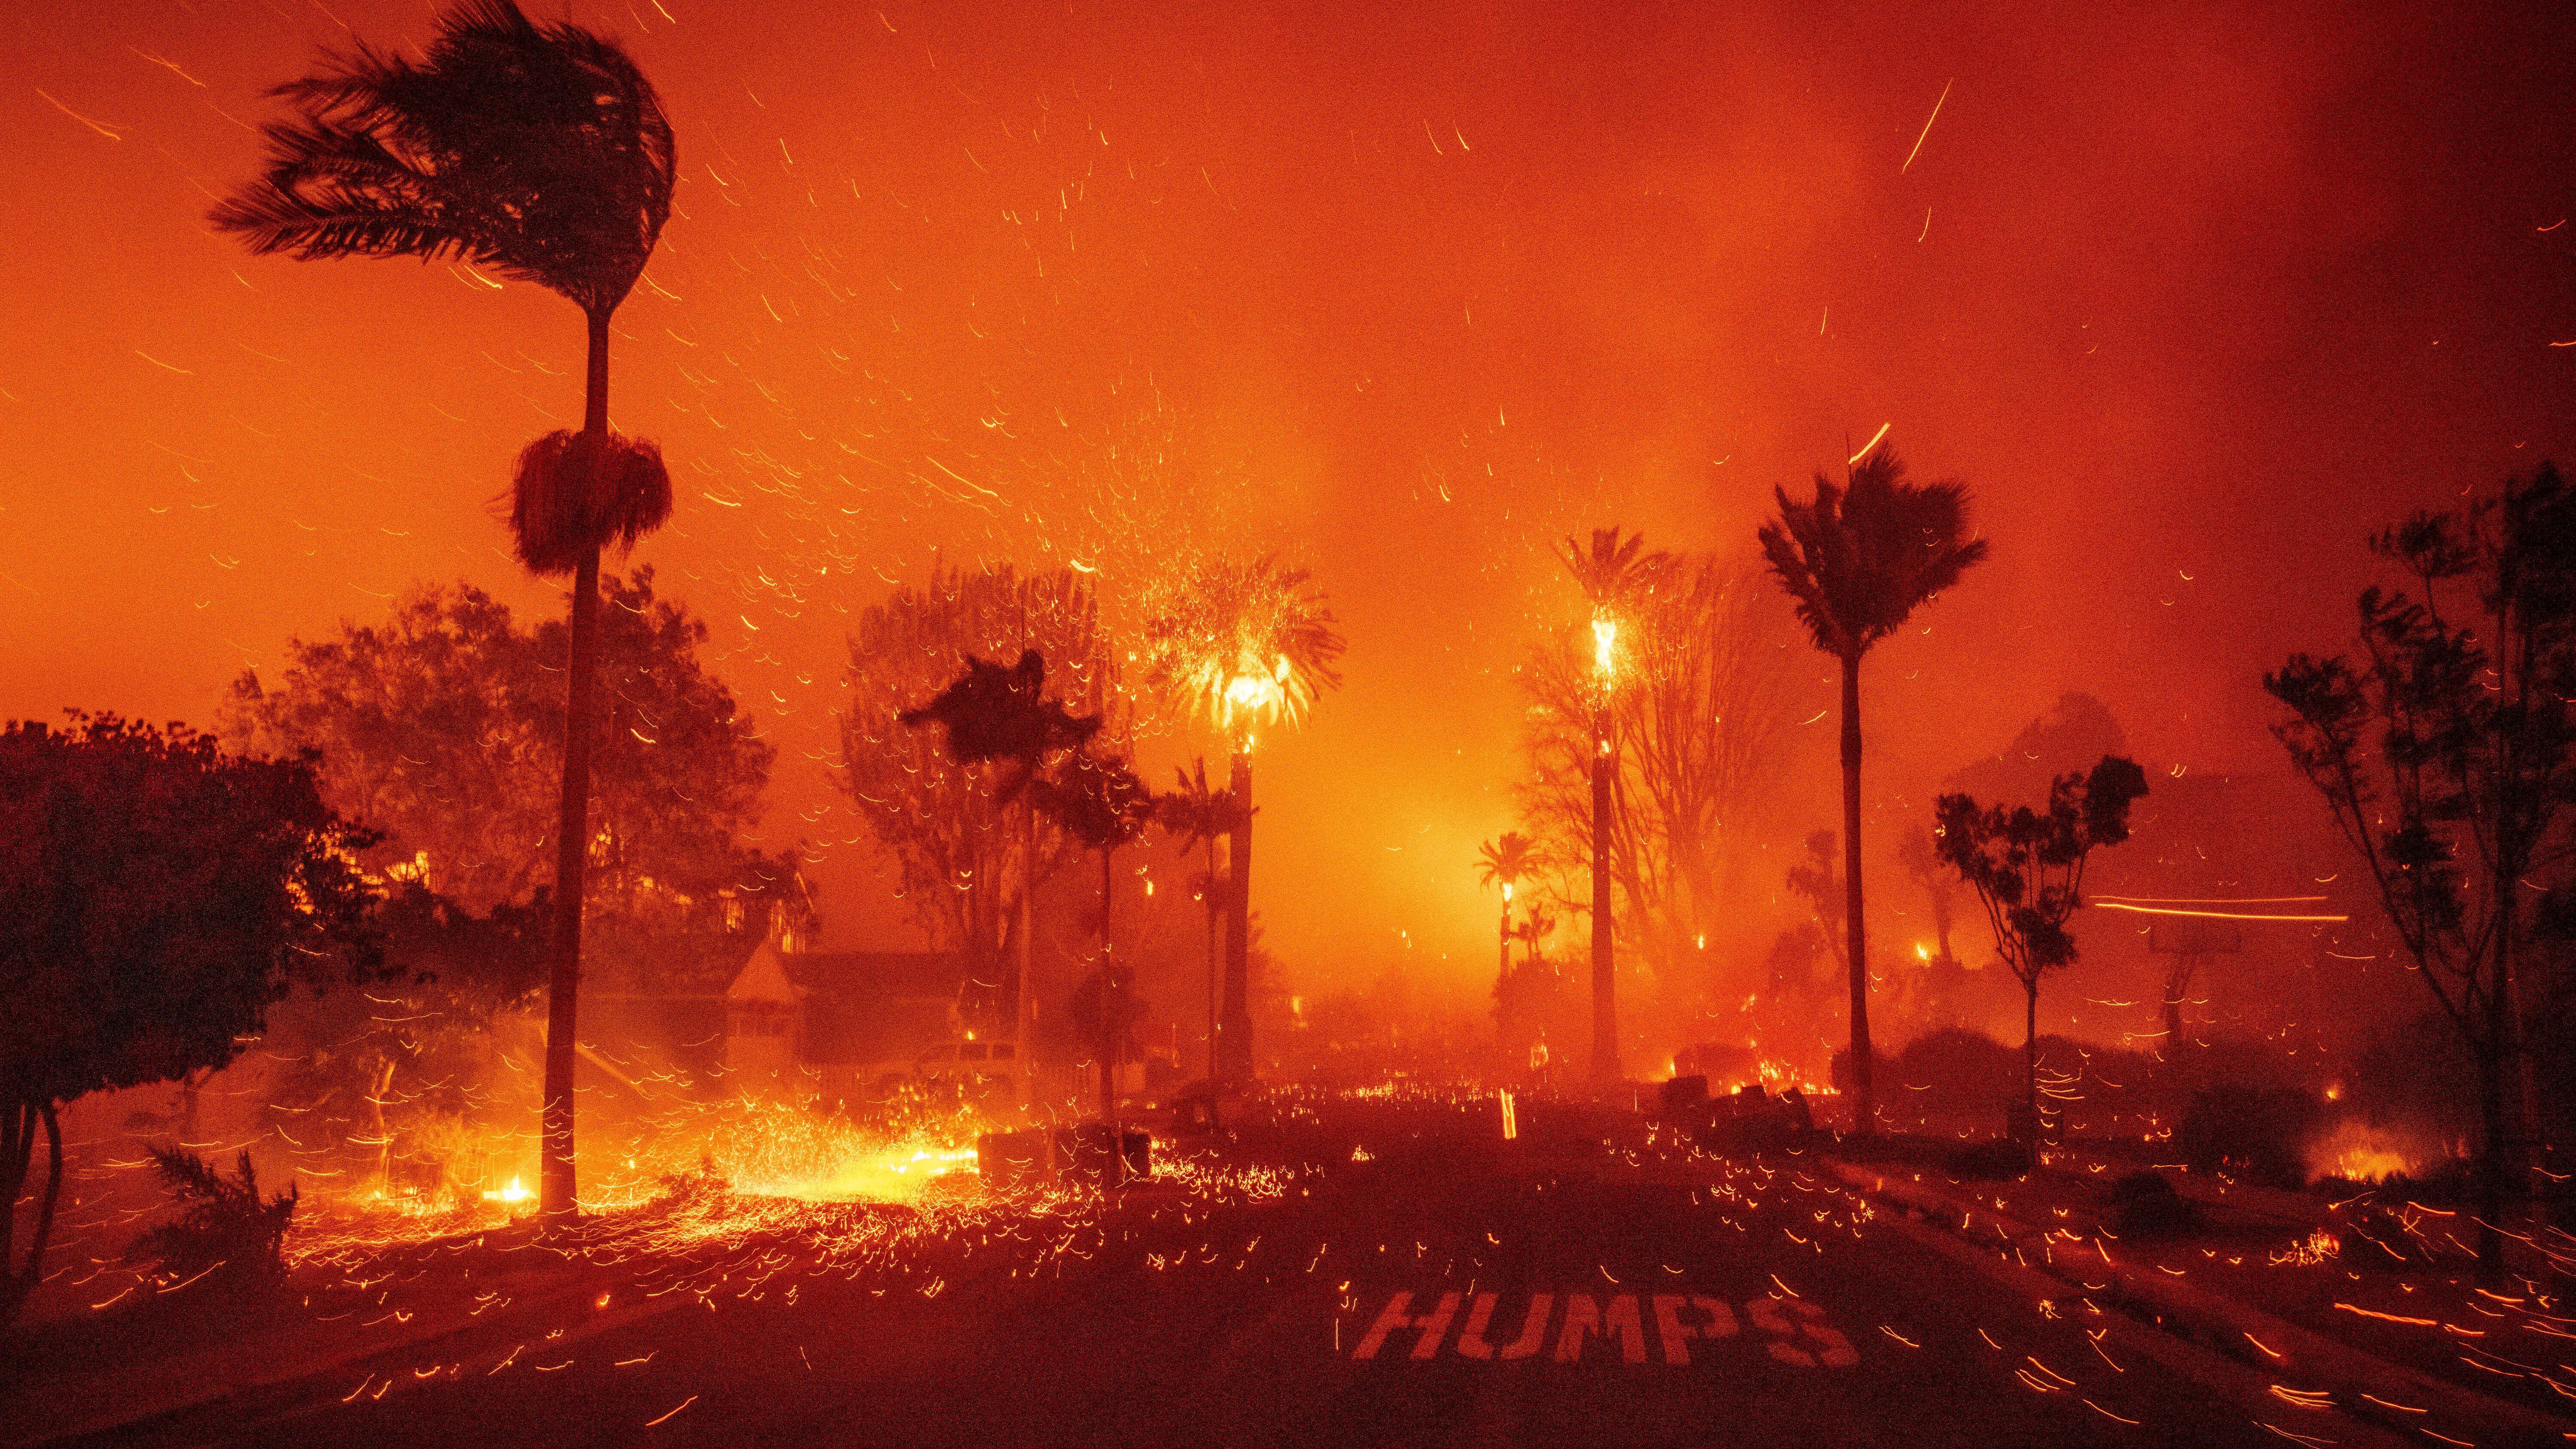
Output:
x,y
1241,646
1505,861
999,714
1858,561
541,152
1611,573
1199,815
1097,800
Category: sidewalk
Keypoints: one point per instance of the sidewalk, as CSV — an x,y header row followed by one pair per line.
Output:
x,y
2308,1367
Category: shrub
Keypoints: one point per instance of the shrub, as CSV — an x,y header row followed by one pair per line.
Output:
x,y
225,1230
1999,1158
2256,1133
1952,1070
2145,1203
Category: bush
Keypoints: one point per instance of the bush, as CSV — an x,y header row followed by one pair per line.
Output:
x,y
2258,1134
225,1231
1952,1070
1882,1074
2144,1203
1999,1158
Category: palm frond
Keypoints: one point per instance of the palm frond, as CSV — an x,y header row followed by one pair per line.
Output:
x,y
575,492
1613,567
1858,560
1238,644
539,151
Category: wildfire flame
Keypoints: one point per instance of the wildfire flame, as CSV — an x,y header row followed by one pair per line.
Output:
x,y
2360,1152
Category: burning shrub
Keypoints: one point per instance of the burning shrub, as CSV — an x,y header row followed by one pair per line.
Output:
x,y
225,1230
2145,1203
2259,1134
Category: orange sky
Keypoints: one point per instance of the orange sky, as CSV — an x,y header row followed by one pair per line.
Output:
x,y
2190,299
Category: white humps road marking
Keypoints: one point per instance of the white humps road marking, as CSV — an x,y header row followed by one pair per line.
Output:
x,y
1795,1331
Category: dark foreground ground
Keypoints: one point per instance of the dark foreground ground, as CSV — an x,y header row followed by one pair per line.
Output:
x,y
1378,1290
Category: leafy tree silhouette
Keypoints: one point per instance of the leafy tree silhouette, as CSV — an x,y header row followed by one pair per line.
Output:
x,y
157,895
2027,868
2447,754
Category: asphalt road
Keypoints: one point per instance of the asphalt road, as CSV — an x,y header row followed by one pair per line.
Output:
x,y
1450,1289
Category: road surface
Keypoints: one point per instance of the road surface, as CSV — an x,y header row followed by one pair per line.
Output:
x,y
1419,1282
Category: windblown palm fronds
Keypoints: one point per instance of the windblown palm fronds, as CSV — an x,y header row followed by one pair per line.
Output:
x,y
540,151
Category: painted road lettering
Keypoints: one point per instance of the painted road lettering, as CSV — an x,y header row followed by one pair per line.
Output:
x,y
1793,1330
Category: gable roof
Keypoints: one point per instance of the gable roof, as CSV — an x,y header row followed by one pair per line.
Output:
x,y
764,978
878,974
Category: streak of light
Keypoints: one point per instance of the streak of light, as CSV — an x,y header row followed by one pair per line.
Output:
x,y
684,1403
2390,1317
2211,900
100,127
1927,125
1872,443
2215,915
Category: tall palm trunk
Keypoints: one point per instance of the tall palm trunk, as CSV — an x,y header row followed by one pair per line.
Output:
x,y
1865,1114
1215,904
1114,1004
1023,946
1605,1006
572,834
1235,1026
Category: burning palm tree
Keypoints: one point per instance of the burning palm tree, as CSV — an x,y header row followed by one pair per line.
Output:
x,y
1858,561
1612,573
1506,862
1243,647
543,153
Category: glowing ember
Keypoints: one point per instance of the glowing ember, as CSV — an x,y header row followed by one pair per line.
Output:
x,y
513,1193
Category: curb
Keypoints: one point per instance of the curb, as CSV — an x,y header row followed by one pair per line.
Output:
x,y
306,1378
2214,1321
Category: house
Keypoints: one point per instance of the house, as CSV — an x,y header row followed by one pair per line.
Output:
x,y
838,1023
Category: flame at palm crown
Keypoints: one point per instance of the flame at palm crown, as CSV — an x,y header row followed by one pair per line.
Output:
x,y
1243,646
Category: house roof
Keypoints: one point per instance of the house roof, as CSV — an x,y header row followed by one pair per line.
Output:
x,y
862,975
764,978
